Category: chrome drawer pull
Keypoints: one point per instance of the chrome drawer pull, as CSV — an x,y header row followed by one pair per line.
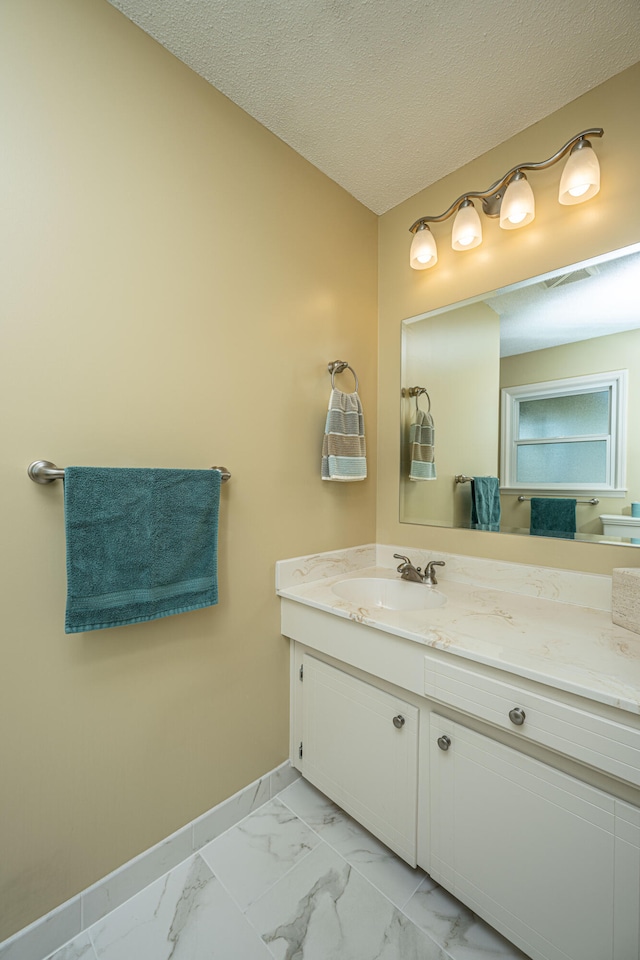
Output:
x,y
517,716
444,742
399,721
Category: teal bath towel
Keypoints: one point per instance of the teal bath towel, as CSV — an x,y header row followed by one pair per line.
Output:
x,y
553,517
485,503
141,544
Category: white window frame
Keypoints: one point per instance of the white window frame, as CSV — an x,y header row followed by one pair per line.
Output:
x,y
616,382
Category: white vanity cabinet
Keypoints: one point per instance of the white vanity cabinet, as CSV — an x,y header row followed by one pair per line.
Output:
x,y
531,816
359,745
551,862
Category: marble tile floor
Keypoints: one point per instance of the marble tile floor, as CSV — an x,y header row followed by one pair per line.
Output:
x,y
297,879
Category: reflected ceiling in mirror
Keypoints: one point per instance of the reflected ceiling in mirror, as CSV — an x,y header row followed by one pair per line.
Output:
x,y
535,337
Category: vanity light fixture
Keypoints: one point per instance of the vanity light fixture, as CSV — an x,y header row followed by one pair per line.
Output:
x,y
467,227
518,207
424,252
511,199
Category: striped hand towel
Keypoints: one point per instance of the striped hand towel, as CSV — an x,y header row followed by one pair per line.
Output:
x,y
421,440
343,448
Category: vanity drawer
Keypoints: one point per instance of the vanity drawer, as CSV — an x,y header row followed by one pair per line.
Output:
x,y
604,744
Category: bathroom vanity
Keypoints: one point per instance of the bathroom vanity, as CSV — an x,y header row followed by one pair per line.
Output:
x,y
486,729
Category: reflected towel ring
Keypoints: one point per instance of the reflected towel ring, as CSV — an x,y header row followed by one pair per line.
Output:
x,y
337,367
422,390
417,392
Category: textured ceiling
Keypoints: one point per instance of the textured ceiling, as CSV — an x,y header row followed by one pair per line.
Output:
x,y
388,96
594,299
574,305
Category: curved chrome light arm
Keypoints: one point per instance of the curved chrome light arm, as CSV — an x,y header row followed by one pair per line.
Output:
x,y
491,197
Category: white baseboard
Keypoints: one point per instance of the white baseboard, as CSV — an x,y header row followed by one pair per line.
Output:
x,y
49,933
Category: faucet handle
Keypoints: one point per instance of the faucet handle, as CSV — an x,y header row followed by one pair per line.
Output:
x,y
407,562
429,572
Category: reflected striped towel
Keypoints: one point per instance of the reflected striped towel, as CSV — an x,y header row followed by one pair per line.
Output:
x,y
343,447
421,439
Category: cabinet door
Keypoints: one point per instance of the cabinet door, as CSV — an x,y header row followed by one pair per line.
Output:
x,y
549,861
360,747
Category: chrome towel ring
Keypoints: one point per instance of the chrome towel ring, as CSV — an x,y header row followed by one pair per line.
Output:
x,y
417,392
337,366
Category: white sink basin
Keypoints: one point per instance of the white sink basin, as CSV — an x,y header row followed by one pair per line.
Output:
x,y
388,594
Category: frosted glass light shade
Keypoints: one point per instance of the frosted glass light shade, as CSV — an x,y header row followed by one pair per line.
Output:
x,y
518,206
424,253
581,176
467,228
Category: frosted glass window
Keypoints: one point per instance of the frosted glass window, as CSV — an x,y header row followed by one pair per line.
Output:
x,y
565,435
576,415
579,462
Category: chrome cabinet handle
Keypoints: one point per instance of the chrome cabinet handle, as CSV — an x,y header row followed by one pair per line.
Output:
x,y
444,742
517,716
399,721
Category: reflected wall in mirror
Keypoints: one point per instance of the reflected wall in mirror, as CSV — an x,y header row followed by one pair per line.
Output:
x,y
538,385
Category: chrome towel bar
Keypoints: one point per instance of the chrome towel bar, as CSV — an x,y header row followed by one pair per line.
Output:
x,y
43,471
460,478
593,501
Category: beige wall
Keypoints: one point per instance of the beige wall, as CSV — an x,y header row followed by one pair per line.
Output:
x,y
456,356
174,281
619,351
558,236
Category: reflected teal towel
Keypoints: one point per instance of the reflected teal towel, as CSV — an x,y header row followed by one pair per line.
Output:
x,y
485,503
141,544
553,517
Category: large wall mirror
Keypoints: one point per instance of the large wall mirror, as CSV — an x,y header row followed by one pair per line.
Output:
x,y
534,390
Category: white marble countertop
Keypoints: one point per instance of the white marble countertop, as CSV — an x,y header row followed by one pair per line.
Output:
x,y
561,644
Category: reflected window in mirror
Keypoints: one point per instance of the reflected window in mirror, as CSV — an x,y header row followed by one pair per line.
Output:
x,y
565,435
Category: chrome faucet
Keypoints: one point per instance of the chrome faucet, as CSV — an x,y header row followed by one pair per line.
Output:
x,y
408,572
